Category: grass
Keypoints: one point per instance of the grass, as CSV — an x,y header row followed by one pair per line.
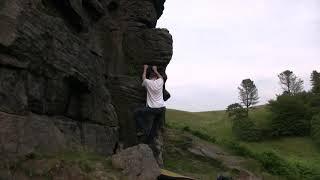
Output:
x,y
216,124
294,149
179,160
189,165
85,159
49,166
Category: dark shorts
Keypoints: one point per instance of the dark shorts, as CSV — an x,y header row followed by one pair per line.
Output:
x,y
149,121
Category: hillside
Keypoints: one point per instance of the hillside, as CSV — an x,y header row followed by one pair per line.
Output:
x,y
217,126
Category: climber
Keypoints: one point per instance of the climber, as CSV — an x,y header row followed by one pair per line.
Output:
x,y
154,107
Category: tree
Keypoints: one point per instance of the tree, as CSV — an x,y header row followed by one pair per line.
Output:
x,y
290,83
315,81
315,128
242,127
248,93
289,116
236,111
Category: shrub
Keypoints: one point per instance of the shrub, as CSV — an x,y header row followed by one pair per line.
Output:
x,y
242,127
305,171
314,104
236,111
246,130
315,128
275,164
186,128
289,116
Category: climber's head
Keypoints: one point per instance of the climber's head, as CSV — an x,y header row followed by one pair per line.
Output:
x,y
151,74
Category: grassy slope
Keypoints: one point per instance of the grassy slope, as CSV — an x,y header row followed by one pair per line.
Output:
x,y
179,160
217,124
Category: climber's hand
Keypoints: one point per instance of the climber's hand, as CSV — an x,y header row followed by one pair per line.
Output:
x,y
154,68
156,71
144,74
145,67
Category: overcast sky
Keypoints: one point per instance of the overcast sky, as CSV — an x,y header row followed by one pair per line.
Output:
x,y
218,43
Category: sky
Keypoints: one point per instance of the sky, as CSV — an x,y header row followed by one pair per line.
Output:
x,y
218,43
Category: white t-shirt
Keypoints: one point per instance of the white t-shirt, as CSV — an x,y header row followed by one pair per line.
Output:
x,y
154,92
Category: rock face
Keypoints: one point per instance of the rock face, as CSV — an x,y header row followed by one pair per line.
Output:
x,y
70,71
137,163
59,169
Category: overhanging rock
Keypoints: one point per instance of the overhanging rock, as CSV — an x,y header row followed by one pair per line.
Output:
x,y
70,72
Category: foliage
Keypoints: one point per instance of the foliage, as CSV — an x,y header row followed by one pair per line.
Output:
x,y
236,111
246,130
290,83
311,101
315,81
315,128
306,171
275,164
314,104
248,93
270,161
242,127
299,153
289,116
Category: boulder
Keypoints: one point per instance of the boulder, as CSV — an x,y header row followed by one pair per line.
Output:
x,y
24,135
137,163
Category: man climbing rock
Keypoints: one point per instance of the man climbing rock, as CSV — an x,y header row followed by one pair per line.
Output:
x,y
155,106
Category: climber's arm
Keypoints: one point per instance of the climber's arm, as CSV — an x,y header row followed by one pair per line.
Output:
x,y
144,75
156,71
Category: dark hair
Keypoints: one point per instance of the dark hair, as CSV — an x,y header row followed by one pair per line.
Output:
x,y
150,73
153,74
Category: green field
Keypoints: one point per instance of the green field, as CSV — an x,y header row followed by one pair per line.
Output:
x,y
216,124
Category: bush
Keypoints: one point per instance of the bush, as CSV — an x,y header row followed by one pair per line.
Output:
x,y
314,104
315,128
242,127
236,111
275,164
289,116
305,171
186,128
246,130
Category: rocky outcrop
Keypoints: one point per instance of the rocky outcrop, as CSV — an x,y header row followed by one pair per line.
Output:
x,y
70,71
137,163
229,162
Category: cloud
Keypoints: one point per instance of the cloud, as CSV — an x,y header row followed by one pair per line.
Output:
x,y
218,43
